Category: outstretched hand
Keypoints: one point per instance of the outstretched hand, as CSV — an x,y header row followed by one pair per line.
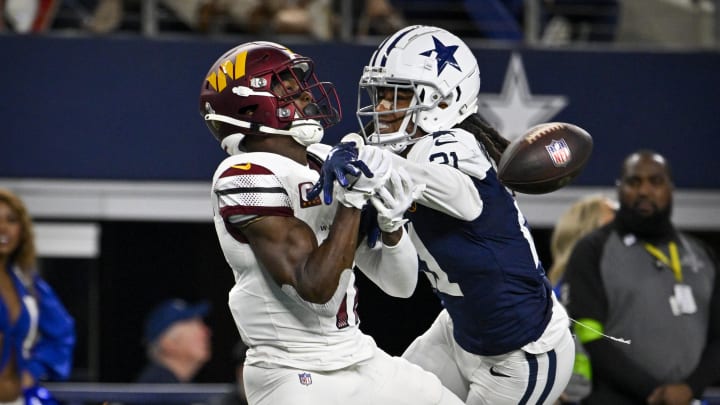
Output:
x,y
340,162
394,199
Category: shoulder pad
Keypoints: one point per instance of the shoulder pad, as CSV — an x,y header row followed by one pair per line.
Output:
x,y
318,152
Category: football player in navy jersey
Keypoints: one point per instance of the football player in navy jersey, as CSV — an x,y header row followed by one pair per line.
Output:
x,y
294,299
502,337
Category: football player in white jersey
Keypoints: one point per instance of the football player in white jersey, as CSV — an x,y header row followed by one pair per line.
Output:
x,y
294,300
502,337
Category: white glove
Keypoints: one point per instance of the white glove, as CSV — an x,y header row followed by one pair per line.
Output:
x,y
394,198
379,161
349,198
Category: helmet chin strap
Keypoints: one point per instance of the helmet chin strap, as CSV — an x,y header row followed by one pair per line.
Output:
x,y
304,131
231,144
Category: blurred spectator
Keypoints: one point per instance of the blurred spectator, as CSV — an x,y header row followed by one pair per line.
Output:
x,y
580,20
641,279
237,395
106,16
36,332
487,19
27,16
308,17
178,342
671,22
497,19
379,17
583,216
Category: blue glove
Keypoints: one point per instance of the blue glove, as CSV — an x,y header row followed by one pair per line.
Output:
x,y
369,225
38,395
342,160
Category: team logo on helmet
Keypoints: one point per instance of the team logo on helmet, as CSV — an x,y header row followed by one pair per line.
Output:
x,y
218,80
445,55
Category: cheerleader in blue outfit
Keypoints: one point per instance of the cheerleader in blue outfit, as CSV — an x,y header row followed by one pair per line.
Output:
x,y
37,335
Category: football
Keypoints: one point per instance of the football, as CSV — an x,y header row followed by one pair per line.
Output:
x,y
546,158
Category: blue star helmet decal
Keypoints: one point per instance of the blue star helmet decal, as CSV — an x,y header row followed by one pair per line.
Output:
x,y
444,55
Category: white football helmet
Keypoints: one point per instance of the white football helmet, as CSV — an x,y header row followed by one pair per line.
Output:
x,y
440,69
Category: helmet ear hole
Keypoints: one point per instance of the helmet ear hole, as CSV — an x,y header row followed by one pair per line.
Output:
x,y
247,110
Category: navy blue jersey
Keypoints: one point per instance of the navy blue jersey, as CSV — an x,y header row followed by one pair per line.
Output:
x,y
484,269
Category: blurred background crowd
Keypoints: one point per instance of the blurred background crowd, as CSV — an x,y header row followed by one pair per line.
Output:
x,y
144,250
550,22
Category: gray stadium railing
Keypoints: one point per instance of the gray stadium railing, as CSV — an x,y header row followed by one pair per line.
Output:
x,y
94,393
127,393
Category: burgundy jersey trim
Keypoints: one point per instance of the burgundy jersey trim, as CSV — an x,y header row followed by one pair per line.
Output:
x,y
227,212
245,168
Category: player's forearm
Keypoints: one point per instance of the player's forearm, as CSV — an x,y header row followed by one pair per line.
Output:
x,y
447,190
392,268
318,279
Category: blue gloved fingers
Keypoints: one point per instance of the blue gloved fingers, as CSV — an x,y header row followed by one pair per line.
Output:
x,y
364,169
373,236
339,161
346,148
316,189
339,173
369,225
341,164
328,192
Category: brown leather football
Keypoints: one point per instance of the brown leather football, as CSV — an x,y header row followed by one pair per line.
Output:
x,y
546,158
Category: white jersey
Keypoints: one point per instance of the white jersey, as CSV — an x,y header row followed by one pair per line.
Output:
x,y
449,187
280,331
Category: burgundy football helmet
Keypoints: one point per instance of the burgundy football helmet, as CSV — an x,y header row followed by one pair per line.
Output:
x,y
252,90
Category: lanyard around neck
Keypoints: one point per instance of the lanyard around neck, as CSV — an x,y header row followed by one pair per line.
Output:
x,y
673,262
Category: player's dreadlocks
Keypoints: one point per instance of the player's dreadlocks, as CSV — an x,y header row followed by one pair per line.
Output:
x,y
491,139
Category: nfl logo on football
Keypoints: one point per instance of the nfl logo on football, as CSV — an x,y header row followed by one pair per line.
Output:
x,y
559,152
305,378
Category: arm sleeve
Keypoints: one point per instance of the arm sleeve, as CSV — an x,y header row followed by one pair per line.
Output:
x,y
51,356
392,268
708,370
588,304
448,190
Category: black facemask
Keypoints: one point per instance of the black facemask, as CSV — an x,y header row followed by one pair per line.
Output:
x,y
654,228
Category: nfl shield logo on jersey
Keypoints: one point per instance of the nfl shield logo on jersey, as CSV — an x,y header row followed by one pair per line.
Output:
x,y
305,378
559,152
